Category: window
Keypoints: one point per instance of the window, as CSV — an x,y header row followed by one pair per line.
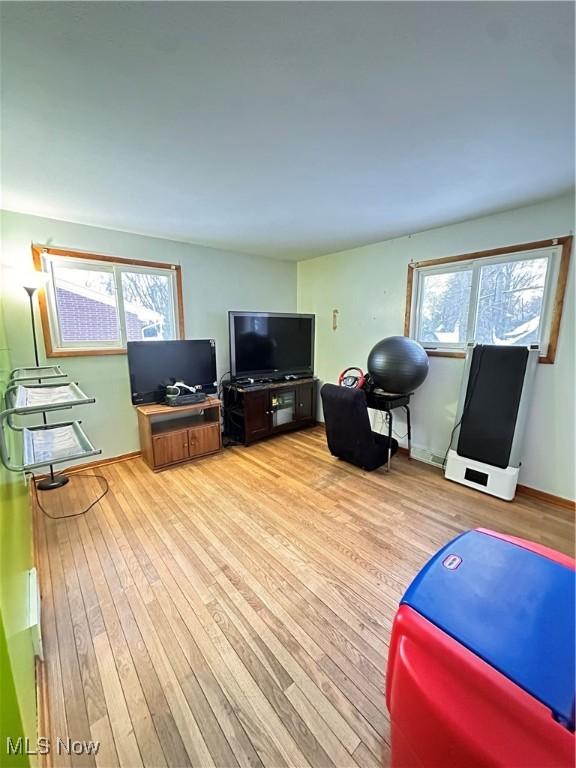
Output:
x,y
507,296
95,304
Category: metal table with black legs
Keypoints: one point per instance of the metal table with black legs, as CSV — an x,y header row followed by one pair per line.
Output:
x,y
387,402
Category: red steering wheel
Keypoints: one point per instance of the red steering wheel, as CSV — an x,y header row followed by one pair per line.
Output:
x,y
353,378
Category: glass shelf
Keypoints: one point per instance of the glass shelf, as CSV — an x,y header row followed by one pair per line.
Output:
x,y
55,443
35,373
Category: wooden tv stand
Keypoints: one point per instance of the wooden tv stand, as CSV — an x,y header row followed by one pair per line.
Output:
x,y
171,435
262,410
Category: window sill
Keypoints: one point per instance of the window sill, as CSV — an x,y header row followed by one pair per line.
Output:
x,y
545,359
84,352
445,353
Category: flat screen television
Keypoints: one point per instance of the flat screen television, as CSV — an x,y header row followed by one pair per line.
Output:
x,y
154,364
271,345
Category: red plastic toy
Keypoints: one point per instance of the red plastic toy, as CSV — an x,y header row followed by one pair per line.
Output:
x,y
460,702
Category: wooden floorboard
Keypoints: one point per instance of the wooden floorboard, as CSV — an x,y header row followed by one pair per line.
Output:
x,y
236,612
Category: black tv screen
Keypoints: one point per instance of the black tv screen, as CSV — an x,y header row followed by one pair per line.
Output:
x,y
154,364
271,345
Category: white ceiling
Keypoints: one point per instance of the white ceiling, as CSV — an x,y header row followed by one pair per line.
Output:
x,y
285,129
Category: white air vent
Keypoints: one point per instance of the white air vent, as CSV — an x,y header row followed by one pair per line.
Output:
x,y
424,454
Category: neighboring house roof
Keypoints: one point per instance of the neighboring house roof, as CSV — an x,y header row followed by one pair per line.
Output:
x,y
87,315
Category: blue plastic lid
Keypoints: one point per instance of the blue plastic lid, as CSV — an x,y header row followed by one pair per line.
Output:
x,y
511,607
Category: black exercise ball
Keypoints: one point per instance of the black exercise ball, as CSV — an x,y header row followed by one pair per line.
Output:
x,y
398,365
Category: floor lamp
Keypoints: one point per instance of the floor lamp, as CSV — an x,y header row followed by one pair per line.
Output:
x,y
34,281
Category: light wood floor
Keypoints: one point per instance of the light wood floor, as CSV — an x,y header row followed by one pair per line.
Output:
x,y
237,611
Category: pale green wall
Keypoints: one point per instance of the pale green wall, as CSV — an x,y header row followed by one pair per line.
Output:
x,y
368,287
214,282
17,671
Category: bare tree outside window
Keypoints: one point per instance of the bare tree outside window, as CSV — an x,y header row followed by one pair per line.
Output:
x,y
487,301
444,307
152,292
510,302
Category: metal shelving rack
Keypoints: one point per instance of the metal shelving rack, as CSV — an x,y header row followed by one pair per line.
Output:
x,y
35,373
44,445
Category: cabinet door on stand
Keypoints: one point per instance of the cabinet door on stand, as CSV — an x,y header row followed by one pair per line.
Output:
x,y
305,401
204,440
283,409
256,414
170,447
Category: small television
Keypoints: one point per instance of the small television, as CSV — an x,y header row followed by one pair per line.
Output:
x,y
270,345
154,364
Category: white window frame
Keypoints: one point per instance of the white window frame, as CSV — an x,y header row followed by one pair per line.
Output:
x,y
552,253
116,269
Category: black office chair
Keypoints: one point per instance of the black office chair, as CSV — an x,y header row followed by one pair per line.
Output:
x,y
348,430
